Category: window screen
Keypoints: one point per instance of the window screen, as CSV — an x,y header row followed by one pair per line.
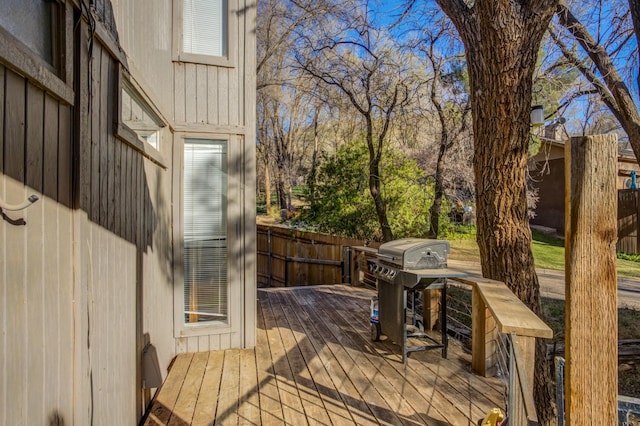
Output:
x,y
205,231
31,22
205,27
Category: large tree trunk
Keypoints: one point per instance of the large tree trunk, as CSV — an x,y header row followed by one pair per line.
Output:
x,y
501,43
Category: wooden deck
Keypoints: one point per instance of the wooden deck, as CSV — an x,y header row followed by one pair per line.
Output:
x,y
314,363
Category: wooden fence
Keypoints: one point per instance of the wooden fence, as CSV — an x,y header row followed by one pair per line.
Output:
x,y
289,258
628,209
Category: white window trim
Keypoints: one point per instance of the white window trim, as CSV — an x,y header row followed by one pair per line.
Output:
x,y
235,275
228,61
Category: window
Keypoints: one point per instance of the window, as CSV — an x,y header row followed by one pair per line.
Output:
x,y
204,31
139,117
206,286
34,23
204,27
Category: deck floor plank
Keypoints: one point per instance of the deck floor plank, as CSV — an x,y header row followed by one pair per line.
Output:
x,y
418,391
349,358
314,363
165,401
229,396
270,404
421,390
249,403
455,381
205,410
186,402
333,402
354,401
292,408
314,408
369,362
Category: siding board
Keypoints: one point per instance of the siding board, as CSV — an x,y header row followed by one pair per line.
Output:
x,y
105,67
2,99
190,93
212,99
15,126
33,328
117,183
50,172
83,123
16,316
179,106
65,156
51,310
123,188
201,93
94,213
35,121
65,310
223,96
233,100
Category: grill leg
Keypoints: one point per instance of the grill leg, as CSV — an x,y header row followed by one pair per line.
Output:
x,y
405,354
443,318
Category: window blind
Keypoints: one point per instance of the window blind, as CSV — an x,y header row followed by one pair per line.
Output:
x,y
205,231
204,27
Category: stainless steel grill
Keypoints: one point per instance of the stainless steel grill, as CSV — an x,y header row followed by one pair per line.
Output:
x,y
403,267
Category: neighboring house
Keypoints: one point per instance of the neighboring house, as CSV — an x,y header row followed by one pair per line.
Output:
x,y
547,175
133,121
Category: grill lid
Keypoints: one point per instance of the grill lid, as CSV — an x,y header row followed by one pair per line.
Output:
x,y
415,253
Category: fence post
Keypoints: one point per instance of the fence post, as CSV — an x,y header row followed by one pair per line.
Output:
x,y
269,271
591,341
484,334
346,265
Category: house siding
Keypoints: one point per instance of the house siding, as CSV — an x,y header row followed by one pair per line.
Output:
x,y
35,255
87,272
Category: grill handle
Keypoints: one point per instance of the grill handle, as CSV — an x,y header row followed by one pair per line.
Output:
x,y
386,256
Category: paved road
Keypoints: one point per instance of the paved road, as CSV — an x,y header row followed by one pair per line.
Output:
x,y
552,284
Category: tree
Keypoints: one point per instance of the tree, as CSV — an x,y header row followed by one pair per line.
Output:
x,y
599,68
342,206
452,110
351,56
281,106
501,40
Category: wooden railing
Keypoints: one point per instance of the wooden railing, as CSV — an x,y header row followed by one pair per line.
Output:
x,y
496,310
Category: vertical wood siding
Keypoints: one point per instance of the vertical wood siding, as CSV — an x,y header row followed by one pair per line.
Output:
x,y
74,282
36,294
206,94
219,101
126,199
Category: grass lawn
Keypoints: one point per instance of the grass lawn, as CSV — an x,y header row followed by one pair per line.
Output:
x,y
548,253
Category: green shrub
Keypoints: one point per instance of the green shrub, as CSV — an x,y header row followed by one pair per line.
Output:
x,y
343,205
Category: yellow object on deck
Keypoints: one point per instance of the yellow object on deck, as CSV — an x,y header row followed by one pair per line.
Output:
x,y
493,418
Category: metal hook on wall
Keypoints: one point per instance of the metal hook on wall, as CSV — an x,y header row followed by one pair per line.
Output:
x,y
16,207
21,206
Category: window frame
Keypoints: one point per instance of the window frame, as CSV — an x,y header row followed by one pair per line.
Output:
x,y
234,193
56,78
128,135
228,61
